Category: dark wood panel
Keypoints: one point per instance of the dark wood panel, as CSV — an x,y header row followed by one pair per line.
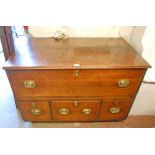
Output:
x,y
75,110
5,40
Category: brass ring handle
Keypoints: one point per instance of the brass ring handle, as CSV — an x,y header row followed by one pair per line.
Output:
x,y
115,110
29,84
123,83
36,112
87,111
64,111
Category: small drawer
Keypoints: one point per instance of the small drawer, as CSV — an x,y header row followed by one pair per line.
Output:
x,y
115,110
75,110
36,111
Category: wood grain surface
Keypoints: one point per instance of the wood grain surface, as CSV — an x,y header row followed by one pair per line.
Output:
x,y
75,112
86,70
26,107
124,106
88,53
64,83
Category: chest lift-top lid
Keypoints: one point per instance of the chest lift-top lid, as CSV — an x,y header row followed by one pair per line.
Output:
x,y
82,53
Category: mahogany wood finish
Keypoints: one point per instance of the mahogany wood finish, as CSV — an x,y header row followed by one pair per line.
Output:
x,y
26,110
75,79
124,106
9,35
65,83
75,110
89,53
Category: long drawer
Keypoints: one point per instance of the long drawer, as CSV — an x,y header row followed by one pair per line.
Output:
x,y
72,83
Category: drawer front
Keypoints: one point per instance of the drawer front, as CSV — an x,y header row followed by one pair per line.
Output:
x,y
115,110
76,82
37,111
75,110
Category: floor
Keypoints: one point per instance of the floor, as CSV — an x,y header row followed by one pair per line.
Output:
x,y
10,116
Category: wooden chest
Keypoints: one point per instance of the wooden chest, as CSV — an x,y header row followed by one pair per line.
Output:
x,y
78,79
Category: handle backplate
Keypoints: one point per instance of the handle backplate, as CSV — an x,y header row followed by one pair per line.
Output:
x,y
29,84
123,83
64,111
87,111
36,112
115,110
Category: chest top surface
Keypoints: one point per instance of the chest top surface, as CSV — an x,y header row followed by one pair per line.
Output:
x,y
81,53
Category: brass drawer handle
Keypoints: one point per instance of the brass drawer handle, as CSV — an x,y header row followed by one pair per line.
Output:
x,y
87,111
29,84
115,110
123,83
36,112
64,111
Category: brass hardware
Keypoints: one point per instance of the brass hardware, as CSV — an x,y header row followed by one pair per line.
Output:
x,y
123,83
87,111
64,111
116,102
29,84
36,112
76,103
33,104
77,73
115,110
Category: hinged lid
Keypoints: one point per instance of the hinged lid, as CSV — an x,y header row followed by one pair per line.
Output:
x,y
88,53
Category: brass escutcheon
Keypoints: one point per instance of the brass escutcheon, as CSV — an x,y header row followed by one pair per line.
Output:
x,y
36,112
76,103
77,73
115,110
33,104
116,102
123,83
87,111
64,111
29,84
